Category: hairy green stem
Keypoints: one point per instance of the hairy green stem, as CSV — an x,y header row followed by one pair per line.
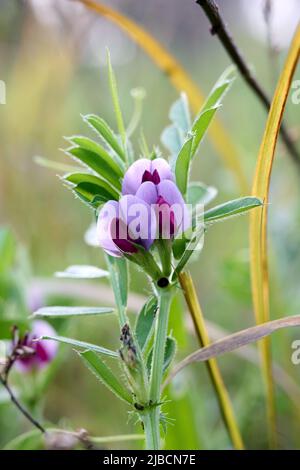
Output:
x,y
152,414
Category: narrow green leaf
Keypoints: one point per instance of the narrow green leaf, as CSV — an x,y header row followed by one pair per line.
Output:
x,y
201,125
82,272
105,132
118,270
81,345
210,107
145,322
180,114
105,375
97,186
71,311
189,250
171,139
231,208
200,193
116,103
170,351
95,157
182,165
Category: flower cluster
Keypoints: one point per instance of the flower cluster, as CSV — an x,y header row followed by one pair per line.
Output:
x,y
151,207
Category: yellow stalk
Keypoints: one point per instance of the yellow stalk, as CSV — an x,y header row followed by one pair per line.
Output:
x,y
181,81
258,223
225,404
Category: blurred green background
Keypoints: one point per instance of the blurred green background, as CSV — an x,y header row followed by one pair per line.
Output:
x,y
54,66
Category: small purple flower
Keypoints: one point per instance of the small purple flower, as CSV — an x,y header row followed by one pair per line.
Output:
x,y
144,170
153,181
123,226
44,351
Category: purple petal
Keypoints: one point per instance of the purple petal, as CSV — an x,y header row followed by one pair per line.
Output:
x,y
108,213
163,169
148,193
134,176
140,219
45,350
171,194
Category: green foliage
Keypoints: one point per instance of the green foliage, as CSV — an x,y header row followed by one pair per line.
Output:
x,y
59,312
31,440
145,322
200,193
118,270
106,134
231,208
105,375
82,272
95,157
170,351
81,345
90,188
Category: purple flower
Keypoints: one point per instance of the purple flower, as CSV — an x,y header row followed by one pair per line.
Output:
x,y
153,182
125,225
144,170
44,351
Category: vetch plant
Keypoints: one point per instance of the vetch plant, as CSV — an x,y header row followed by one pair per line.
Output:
x,y
146,211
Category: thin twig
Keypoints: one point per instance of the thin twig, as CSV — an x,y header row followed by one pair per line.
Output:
x,y
219,28
20,407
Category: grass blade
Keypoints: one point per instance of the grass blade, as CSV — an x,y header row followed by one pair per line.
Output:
x,y
62,312
258,222
237,340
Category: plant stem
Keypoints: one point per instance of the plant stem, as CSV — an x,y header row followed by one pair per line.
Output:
x,y
225,404
151,428
152,414
164,250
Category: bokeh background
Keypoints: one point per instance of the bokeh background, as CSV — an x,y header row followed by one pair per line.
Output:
x,y
53,62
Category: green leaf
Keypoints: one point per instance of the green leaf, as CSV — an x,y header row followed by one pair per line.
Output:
x,y
182,165
118,270
82,272
231,208
171,139
210,107
170,352
189,250
97,158
200,193
116,103
97,186
31,440
7,249
105,375
81,345
180,114
106,133
71,311
145,322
